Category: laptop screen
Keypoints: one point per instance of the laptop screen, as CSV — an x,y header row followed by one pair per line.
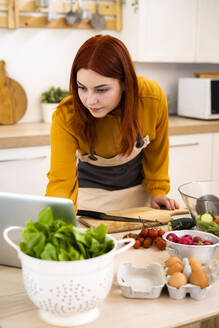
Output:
x,y
15,209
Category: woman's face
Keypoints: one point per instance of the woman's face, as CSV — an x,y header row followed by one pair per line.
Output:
x,y
98,93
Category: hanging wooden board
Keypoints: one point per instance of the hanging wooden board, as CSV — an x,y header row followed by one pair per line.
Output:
x,y
163,216
13,98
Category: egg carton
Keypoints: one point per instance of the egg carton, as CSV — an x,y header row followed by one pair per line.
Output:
x,y
194,291
141,282
148,282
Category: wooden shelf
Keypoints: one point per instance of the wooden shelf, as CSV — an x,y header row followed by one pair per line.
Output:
x,y
26,14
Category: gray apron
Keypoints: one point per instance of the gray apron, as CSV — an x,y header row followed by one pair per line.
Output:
x,y
100,199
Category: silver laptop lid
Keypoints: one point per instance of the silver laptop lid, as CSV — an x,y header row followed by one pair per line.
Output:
x,y
15,209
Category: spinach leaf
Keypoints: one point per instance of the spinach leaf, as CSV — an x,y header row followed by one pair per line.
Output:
x,y
49,253
56,240
45,218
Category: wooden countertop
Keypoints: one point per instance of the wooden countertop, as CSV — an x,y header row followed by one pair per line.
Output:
x,y
24,135
180,125
16,310
38,134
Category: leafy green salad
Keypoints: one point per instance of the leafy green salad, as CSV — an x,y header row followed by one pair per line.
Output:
x,y
56,240
208,223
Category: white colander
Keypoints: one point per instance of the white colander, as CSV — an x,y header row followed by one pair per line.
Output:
x,y
69,293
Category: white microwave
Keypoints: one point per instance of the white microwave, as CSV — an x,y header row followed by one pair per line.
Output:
x,y
198,98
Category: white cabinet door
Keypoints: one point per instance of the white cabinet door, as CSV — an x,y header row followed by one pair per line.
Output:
x,y
208,29
130,32
215,156
190,160
23,170
167,30
172,30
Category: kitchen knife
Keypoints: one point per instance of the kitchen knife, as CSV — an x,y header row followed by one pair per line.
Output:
x,y
104,216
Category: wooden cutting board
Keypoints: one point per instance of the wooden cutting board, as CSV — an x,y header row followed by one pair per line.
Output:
x,y
13,98
163,216
207,74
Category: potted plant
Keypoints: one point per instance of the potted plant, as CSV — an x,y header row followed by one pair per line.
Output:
x,y
49,101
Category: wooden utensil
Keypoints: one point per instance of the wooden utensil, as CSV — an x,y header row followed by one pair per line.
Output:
x,y
13,98
163,216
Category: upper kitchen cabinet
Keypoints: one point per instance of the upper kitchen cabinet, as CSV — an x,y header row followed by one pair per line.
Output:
x,y
173,31
207,33
167,30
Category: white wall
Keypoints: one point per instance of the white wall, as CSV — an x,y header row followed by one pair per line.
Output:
x,y
167,74
40,58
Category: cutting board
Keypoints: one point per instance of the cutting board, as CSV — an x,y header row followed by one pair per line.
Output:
x,y
13,98
214,75
163,216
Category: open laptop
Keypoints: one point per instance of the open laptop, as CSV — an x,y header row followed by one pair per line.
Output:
x,y
15,209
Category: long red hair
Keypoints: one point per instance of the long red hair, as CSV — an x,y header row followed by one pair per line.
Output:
x,y
109,57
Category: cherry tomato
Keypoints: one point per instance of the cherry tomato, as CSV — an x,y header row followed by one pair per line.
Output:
x,y
141,240
148,242
161,244
161,232
137,244
157,239
153,233
143,232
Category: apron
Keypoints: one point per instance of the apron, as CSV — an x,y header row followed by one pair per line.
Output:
x,y
105,200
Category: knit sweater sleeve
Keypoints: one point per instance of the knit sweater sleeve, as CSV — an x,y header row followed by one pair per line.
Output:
x,y
156,154
63,172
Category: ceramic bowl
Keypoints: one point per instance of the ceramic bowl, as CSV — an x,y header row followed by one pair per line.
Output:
x,y
203,252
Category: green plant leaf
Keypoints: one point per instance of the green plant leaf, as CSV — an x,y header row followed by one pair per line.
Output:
x,y
53,95
45,217
51,239
49,253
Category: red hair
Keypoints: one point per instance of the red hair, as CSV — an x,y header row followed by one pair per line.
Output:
x,y
109,57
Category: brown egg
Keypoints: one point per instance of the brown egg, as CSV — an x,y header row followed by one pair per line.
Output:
x,y
177,280
195,263
198,276
172,260
176,267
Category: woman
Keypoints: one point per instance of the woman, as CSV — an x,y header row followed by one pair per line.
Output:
x,y
109,138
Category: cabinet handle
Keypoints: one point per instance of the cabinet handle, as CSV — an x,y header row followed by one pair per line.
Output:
x,y
22,159
185,145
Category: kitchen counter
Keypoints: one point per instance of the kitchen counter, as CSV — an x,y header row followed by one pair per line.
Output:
x,y
24,135
38,134
16,310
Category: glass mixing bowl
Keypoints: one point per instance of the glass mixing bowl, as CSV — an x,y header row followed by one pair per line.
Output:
x,y
201,197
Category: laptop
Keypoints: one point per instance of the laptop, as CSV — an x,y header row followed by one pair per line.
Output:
x,y
15,209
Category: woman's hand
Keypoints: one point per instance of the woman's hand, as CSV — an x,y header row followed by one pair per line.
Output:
x,y
159,200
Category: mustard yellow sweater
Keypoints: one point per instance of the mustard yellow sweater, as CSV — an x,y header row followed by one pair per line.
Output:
x,y
153,113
